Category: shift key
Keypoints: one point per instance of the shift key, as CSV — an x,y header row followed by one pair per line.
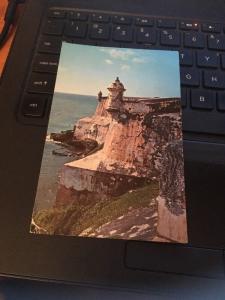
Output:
x,y
41,83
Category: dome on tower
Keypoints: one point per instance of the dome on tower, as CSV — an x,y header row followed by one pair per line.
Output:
x,y
117,85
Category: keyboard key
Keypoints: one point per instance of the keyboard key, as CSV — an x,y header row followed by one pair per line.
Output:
x,y
123,33
202,99
146,35
203,121
34,105
211,27
46,63
183,97
144,21
59,14
214,80
194,40
78,16
221,101
223,61
76,29
170,38
216,42
103,18
166,23
190,77
122,20
41,83
54,27
189,25
50,44
99,31
186,57
207,59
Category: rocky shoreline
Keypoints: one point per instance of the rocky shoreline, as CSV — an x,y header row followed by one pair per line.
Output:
x,y
70,146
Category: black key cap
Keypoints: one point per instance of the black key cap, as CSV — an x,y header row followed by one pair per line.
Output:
x,y
183,97
186,57
59,14
50,44
46,63
207,59
146,35
214,80
122,20
190,77
144,21
41,83
184,25
170,38
203,99
216,42
211,27
54,27
123,33
223,61
166,23
78,16
34,105
221,101
99,31
76,29
203,121
194,40
103,18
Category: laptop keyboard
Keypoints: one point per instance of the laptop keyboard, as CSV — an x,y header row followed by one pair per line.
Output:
x,y
202,59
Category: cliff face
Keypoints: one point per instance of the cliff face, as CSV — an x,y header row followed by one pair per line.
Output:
x,y
132,137
141,145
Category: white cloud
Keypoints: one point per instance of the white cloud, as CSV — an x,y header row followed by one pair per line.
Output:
x,y
123,54
108,61
125,67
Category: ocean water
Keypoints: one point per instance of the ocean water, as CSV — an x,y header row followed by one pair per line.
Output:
x,y
66,110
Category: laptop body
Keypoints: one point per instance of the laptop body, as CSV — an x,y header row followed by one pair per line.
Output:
x,y
105,262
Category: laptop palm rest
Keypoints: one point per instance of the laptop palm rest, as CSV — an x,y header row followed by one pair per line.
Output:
x,y
174,259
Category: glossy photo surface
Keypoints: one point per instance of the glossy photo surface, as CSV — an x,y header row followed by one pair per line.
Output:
x,y
112,165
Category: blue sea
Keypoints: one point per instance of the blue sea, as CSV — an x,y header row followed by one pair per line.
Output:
x,y
66,110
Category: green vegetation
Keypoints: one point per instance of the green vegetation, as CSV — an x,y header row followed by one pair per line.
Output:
x,y
73,219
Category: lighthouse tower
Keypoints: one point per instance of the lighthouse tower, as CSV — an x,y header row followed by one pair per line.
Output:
x,y
115,96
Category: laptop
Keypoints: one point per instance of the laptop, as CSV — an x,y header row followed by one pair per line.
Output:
x,y
112,157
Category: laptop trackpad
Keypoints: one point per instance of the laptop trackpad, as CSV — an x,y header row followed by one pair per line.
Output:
x,y
174,259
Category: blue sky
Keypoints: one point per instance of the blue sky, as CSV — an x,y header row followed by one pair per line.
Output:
x,y
86,70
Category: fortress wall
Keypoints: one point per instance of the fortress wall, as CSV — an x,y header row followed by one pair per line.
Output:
x,y
78,184
124,144
94,127
132,146
101,108
137,148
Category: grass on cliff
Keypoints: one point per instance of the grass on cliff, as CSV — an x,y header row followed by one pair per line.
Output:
x,y
72,220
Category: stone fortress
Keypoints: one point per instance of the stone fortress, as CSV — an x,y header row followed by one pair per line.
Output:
x,y
139,140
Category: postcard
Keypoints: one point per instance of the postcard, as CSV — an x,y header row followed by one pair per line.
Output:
x,y
113,162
